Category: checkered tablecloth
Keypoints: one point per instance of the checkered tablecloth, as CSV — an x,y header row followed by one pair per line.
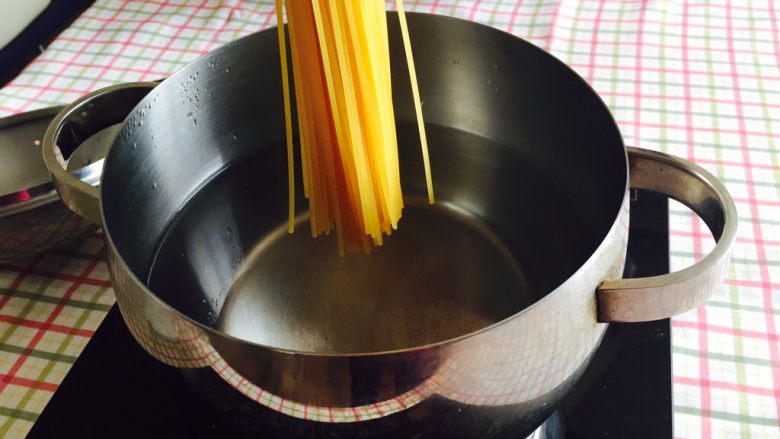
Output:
x,y
699,79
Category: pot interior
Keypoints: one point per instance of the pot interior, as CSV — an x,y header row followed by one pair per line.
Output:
x,y
529,172
445,272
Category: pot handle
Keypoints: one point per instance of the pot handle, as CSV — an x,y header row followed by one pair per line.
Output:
x,y
658,297
76,123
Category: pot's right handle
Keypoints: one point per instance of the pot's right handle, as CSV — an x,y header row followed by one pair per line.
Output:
x,y
658,297
78,122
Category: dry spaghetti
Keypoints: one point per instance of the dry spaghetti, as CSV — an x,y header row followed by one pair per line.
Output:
x,y
340,59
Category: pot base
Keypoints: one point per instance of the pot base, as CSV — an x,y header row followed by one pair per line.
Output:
x,y
439,276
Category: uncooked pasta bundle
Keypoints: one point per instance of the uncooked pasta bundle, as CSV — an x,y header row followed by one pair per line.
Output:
x,y
346,125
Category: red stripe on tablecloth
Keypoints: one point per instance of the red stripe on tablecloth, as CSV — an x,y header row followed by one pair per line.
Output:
x,y
704,365
55,76
497,12
9,110
51,274
728,6
158,22
125,43
751,283
727,386
590,67
707,100
179,30
48,324
707,235
216,33
267,20
62,329
737,164
661,23
45,88
204,7
513,17
705,395
666,69
753,202
33,384
757,232
753,241
145,46
669,46
775,36
83,66
770,336
738,131
434,5
473,11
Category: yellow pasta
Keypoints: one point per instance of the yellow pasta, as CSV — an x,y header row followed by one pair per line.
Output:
x,y
346,125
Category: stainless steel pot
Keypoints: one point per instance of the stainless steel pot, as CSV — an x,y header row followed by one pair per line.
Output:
x,y
478,314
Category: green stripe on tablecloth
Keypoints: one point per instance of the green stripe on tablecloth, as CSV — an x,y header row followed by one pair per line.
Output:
x,y
726,416
722,39
738,359
752,261
724,357
722,65
39,292
755,183
38,354
746,261
742,219
55,264
693,85
712,145
765,113
75,303
771,143
492,18
113,34
762,118
14,414
47,369
236,19
750,308
533,25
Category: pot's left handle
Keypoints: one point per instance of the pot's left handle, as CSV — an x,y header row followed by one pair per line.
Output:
x,y
78,122
658,297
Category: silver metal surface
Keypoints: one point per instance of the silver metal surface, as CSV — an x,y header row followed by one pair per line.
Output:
x,y
32,218
88,120
474,319
658,297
